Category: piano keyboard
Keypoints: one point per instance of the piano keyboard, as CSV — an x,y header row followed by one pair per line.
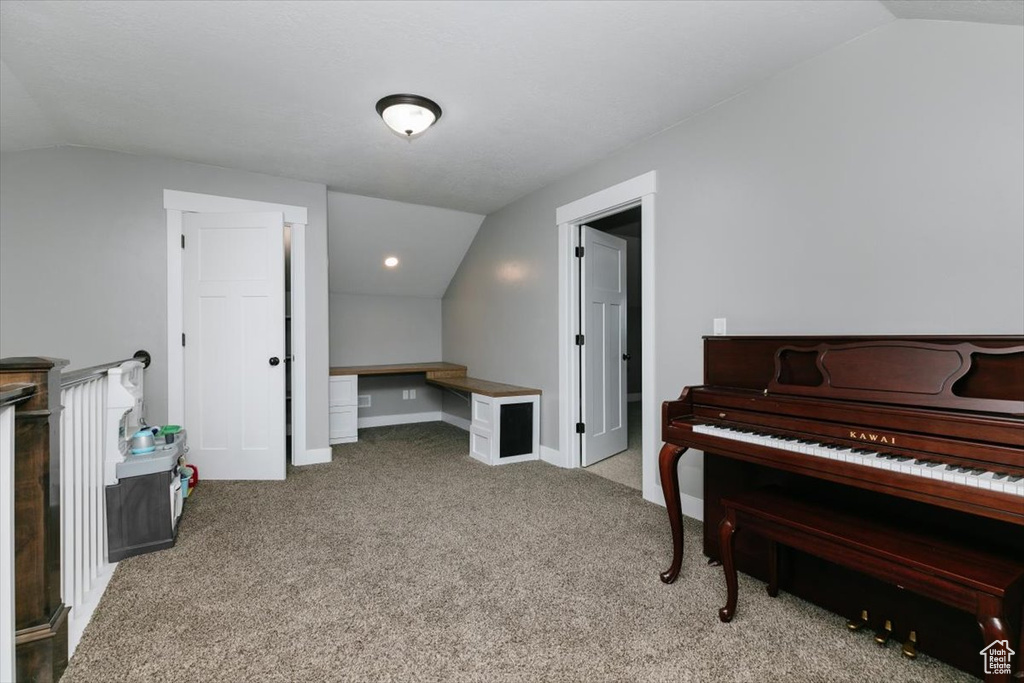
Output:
x,y
903,464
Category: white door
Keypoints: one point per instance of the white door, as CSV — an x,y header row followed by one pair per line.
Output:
x,y
233,267
603,321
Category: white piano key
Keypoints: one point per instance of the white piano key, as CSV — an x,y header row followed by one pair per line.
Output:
x,y
985,480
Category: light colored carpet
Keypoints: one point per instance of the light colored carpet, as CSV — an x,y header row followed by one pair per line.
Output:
x,y
627,467
405,560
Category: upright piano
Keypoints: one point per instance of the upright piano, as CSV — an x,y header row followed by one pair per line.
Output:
x,y
926,433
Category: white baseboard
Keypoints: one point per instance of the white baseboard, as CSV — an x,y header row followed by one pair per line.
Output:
x,y
406,419
312,456
461,423
692,506
552,456
78,622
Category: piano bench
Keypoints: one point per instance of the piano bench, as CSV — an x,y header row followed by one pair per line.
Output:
x,y
985,584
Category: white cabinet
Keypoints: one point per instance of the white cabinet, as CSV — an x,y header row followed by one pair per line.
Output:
x,y
504,429
343,397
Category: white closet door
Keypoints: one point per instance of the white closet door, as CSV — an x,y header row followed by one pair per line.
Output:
x,y
603,309
234,291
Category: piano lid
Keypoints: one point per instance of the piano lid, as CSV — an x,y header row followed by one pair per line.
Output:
x,y
956,376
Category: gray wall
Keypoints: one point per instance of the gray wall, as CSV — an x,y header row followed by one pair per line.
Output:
x,y
372,330
873,189
83,260
386,395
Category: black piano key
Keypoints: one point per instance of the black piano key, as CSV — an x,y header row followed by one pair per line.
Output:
x,y
932,463
1016,478
902,458
920,462
1000,475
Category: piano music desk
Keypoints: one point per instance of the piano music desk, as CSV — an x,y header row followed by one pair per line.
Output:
x,y
986,585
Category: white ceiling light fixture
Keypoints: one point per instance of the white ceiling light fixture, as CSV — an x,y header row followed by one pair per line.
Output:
x,y
391,261
408,115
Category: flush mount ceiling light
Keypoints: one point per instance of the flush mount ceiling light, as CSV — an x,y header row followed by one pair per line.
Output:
x,y
408,115
391,261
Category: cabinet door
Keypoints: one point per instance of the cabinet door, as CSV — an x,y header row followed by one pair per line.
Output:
x,y
343,390
342,424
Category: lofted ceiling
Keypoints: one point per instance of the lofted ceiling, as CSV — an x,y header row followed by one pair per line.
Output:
x,y
985,11
429,243
531,91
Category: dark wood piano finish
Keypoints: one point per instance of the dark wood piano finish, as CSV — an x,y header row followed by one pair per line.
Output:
x,y
967,413
41,636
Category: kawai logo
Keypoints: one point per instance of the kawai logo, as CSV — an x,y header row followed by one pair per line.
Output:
x,y
877,438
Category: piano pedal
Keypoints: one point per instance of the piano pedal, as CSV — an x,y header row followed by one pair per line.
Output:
x,y
858,624
910,646
714,563
883,635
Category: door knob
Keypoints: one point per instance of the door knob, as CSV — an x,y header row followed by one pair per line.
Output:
x,y
626,356
274,360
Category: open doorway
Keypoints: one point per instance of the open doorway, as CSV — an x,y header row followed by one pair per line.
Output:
x,y
638,191
611,312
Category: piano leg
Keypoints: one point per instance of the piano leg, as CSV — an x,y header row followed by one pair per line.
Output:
x,y
668,464
726,529
993,627
773,569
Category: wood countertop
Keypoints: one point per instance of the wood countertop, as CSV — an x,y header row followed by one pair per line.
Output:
x,y
448,375
438,369
483,386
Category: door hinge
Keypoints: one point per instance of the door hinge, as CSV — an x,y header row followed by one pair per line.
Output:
x,y
579,252
579,340
183,241
580,428
182,338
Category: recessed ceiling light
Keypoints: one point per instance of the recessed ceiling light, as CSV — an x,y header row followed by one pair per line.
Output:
x,y
391,261
408,115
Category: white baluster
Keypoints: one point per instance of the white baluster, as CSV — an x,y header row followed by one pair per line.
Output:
x,y
90,451
87,492
79,509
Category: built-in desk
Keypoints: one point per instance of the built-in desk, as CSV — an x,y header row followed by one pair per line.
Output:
x,y
505,424
472,385
431,370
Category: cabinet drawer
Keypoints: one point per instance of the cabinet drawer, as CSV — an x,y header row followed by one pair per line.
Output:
x,y
344,390
343,422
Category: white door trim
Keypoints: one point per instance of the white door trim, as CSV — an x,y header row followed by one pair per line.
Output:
x,y
638,191
176,203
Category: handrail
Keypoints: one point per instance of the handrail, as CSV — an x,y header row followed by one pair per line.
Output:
x,y
68,379
15,392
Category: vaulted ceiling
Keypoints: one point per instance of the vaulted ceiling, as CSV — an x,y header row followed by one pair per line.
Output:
x,y
531,91
428,242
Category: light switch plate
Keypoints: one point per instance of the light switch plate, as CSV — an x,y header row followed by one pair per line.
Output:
x,y
719,327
